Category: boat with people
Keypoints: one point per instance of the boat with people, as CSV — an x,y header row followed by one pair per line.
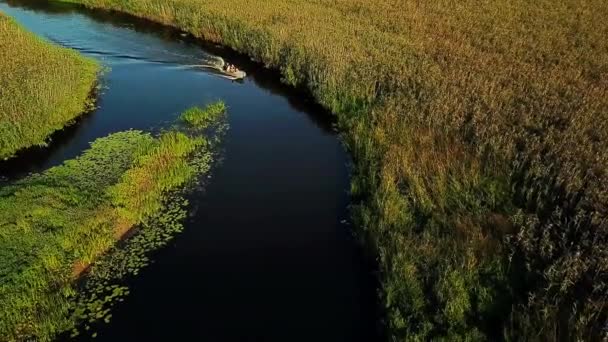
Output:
x,y
232,71
227,70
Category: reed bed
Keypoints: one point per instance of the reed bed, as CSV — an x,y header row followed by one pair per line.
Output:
x,y
43,87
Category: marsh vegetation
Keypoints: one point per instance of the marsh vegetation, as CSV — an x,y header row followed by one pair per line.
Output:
x,y
478,131
43,87
203,117
56,224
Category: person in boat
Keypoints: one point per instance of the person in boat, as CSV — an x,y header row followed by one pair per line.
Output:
x,y
229,68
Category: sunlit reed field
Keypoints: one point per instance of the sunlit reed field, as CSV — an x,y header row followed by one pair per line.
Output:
x,y
53,225
43,87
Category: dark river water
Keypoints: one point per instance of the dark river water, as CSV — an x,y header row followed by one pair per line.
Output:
x,y
265,255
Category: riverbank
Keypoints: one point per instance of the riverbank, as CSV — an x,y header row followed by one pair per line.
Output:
x,y
43,87
477,131
57,223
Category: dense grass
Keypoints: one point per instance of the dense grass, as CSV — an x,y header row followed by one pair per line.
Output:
x,y
106,283
42,87
478,130
203,117
54,224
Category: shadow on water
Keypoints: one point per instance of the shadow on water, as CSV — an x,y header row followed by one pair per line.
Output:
x,y
265,254
35,158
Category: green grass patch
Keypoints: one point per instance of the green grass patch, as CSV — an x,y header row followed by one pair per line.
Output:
x,y
55,224
43,87
478,131
203,117
105,284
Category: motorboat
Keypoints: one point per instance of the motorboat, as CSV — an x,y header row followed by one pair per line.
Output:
x,y
220,65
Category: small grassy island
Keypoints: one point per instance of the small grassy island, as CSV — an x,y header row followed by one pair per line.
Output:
x,y
43,87
56,224
201,118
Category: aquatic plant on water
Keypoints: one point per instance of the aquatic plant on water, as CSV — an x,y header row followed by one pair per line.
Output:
x,y
202,117
67,220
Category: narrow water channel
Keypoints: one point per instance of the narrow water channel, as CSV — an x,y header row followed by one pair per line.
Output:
x,y
265,255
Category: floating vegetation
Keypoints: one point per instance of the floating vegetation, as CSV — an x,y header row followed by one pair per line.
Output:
x,y
65,222
201,118
104,286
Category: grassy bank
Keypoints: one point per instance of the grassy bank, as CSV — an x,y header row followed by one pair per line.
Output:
x,y
43,87
479,133
55,224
